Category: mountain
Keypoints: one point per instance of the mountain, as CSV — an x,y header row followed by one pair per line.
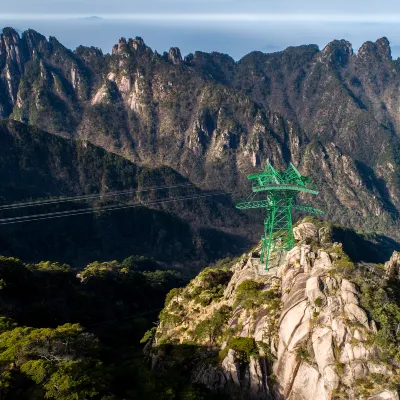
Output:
x,y
331,112
35,164
319,325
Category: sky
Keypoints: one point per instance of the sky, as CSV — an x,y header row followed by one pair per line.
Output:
x,y
235,27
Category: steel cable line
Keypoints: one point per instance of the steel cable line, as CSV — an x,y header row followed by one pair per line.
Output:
x,y
116,194
96,195
87,197
59,214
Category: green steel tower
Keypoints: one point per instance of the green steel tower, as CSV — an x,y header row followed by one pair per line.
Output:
x,y
280,189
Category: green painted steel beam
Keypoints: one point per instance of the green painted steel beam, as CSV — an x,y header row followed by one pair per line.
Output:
x,y
308,209
284,187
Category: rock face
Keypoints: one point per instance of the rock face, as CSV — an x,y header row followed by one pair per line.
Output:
x,y
298,332
392,267
332,112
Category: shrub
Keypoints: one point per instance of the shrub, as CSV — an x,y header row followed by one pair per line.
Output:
x,y
213,277
386,313
344,266
318,302
303,353
173,293
245,348
211,328
249,294
148,335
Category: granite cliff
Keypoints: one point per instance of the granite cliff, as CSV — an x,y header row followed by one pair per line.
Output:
x,y
317,326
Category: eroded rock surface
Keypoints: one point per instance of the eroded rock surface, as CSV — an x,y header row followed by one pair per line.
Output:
x,y
304,319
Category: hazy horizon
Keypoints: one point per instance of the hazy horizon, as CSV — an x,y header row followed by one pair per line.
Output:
x,y
108,32
233,27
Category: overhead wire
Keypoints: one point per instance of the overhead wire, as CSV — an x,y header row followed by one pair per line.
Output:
x,y
59,214
36,217
88,197
101,195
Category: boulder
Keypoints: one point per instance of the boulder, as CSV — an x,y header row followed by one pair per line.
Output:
x,y
291,321
308,385
392,267
384,395
210,376
322,263
314,289
323,350
339,330
355,313
305,230
347,286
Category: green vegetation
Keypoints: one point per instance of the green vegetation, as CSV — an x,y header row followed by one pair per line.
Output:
x,y
385,310
251,294
318,302
343,266
210,329
245,348
366,387
63,362
303,353
210,283
380,299
43,165
68,337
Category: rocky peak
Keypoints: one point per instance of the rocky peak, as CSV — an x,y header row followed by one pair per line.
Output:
x,y
392,267
34,41
131,46
137,44
337,52
189,58
174,55
12,48
379,50
383,48
10,35
119,48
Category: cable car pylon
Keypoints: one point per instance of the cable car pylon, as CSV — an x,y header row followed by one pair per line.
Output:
x,y
280,190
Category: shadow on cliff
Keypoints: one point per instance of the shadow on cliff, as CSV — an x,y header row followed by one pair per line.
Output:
x,y
183,366
372,248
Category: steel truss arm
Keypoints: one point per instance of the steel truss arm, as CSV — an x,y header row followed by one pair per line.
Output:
x,y
308,209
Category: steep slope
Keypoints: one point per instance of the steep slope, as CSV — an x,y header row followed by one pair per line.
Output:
x,y
318,326
330,112
35,164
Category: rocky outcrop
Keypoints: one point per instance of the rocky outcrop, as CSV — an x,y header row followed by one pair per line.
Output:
x,y
174,55
392,267
298,332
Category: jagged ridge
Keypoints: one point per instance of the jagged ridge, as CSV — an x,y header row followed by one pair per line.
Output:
x,y
333,113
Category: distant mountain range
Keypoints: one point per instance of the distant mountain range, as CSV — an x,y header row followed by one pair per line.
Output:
x,y
93,18
332,113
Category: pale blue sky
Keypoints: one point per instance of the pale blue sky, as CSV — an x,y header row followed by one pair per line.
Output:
x,y
235,27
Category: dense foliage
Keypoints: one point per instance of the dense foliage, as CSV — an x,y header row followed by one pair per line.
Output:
x,y
67,334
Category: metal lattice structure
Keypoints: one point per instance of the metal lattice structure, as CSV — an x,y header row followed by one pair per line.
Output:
x,y
280,190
